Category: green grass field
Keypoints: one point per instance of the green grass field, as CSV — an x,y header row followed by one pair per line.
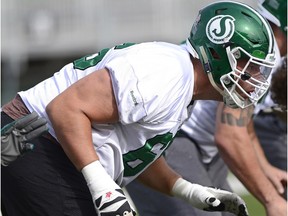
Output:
x,y
253,205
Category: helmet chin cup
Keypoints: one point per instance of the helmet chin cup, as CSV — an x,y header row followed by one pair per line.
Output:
x,y
230,101
233,100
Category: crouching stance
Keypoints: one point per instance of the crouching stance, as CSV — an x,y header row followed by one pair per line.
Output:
x,y
111,115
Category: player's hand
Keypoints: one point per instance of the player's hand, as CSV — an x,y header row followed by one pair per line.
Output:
x,y
277,177
278,207
108,198
222,200
113,203
209,199
16,137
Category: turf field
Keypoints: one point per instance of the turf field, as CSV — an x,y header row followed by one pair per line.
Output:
x,y
253,205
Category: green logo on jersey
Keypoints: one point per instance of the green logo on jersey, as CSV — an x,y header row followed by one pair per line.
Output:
x,y
92,60
136,161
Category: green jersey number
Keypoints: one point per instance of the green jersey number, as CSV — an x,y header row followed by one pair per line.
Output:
x,y
92,60
136,161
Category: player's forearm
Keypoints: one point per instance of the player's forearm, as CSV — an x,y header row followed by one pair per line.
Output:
x,y
242,161
276,176
159,176
235,146
256,144
73,131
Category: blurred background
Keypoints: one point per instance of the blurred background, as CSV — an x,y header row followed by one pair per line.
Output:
x,y
39,37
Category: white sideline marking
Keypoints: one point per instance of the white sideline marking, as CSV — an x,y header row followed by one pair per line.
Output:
x,y
236,185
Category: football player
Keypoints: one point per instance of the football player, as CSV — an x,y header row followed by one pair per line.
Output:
x,y
111,116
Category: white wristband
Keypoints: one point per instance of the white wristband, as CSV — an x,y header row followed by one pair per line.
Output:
x,y
97,179
195,194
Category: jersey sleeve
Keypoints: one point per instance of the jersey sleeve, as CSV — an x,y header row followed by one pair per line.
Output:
x,y
153,83
129,101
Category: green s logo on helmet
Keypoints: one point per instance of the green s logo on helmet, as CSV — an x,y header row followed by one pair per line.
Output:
x,y
220,29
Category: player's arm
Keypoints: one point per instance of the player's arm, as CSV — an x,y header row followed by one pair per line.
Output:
x,y
237,150
161,177
277,176
91,99
71,113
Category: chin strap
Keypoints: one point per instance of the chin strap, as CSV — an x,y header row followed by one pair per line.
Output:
x,y
208,70
214,84
227,99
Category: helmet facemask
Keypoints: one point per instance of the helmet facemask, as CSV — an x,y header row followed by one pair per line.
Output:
x,y
247,82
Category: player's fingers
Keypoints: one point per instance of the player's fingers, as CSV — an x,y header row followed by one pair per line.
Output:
x,y
212,201
231,202
214,204
284,178
279,181
279,186
24,121
34,125
35,133
27,147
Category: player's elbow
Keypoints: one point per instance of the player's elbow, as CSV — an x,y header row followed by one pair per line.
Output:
x,y
50,108
54,108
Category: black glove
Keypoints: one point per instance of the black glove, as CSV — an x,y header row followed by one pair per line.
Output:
x,y
16,136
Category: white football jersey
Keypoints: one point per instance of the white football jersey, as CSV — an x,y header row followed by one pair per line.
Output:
x,y
153,86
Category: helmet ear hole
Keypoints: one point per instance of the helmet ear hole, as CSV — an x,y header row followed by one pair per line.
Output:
x,y
214,54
